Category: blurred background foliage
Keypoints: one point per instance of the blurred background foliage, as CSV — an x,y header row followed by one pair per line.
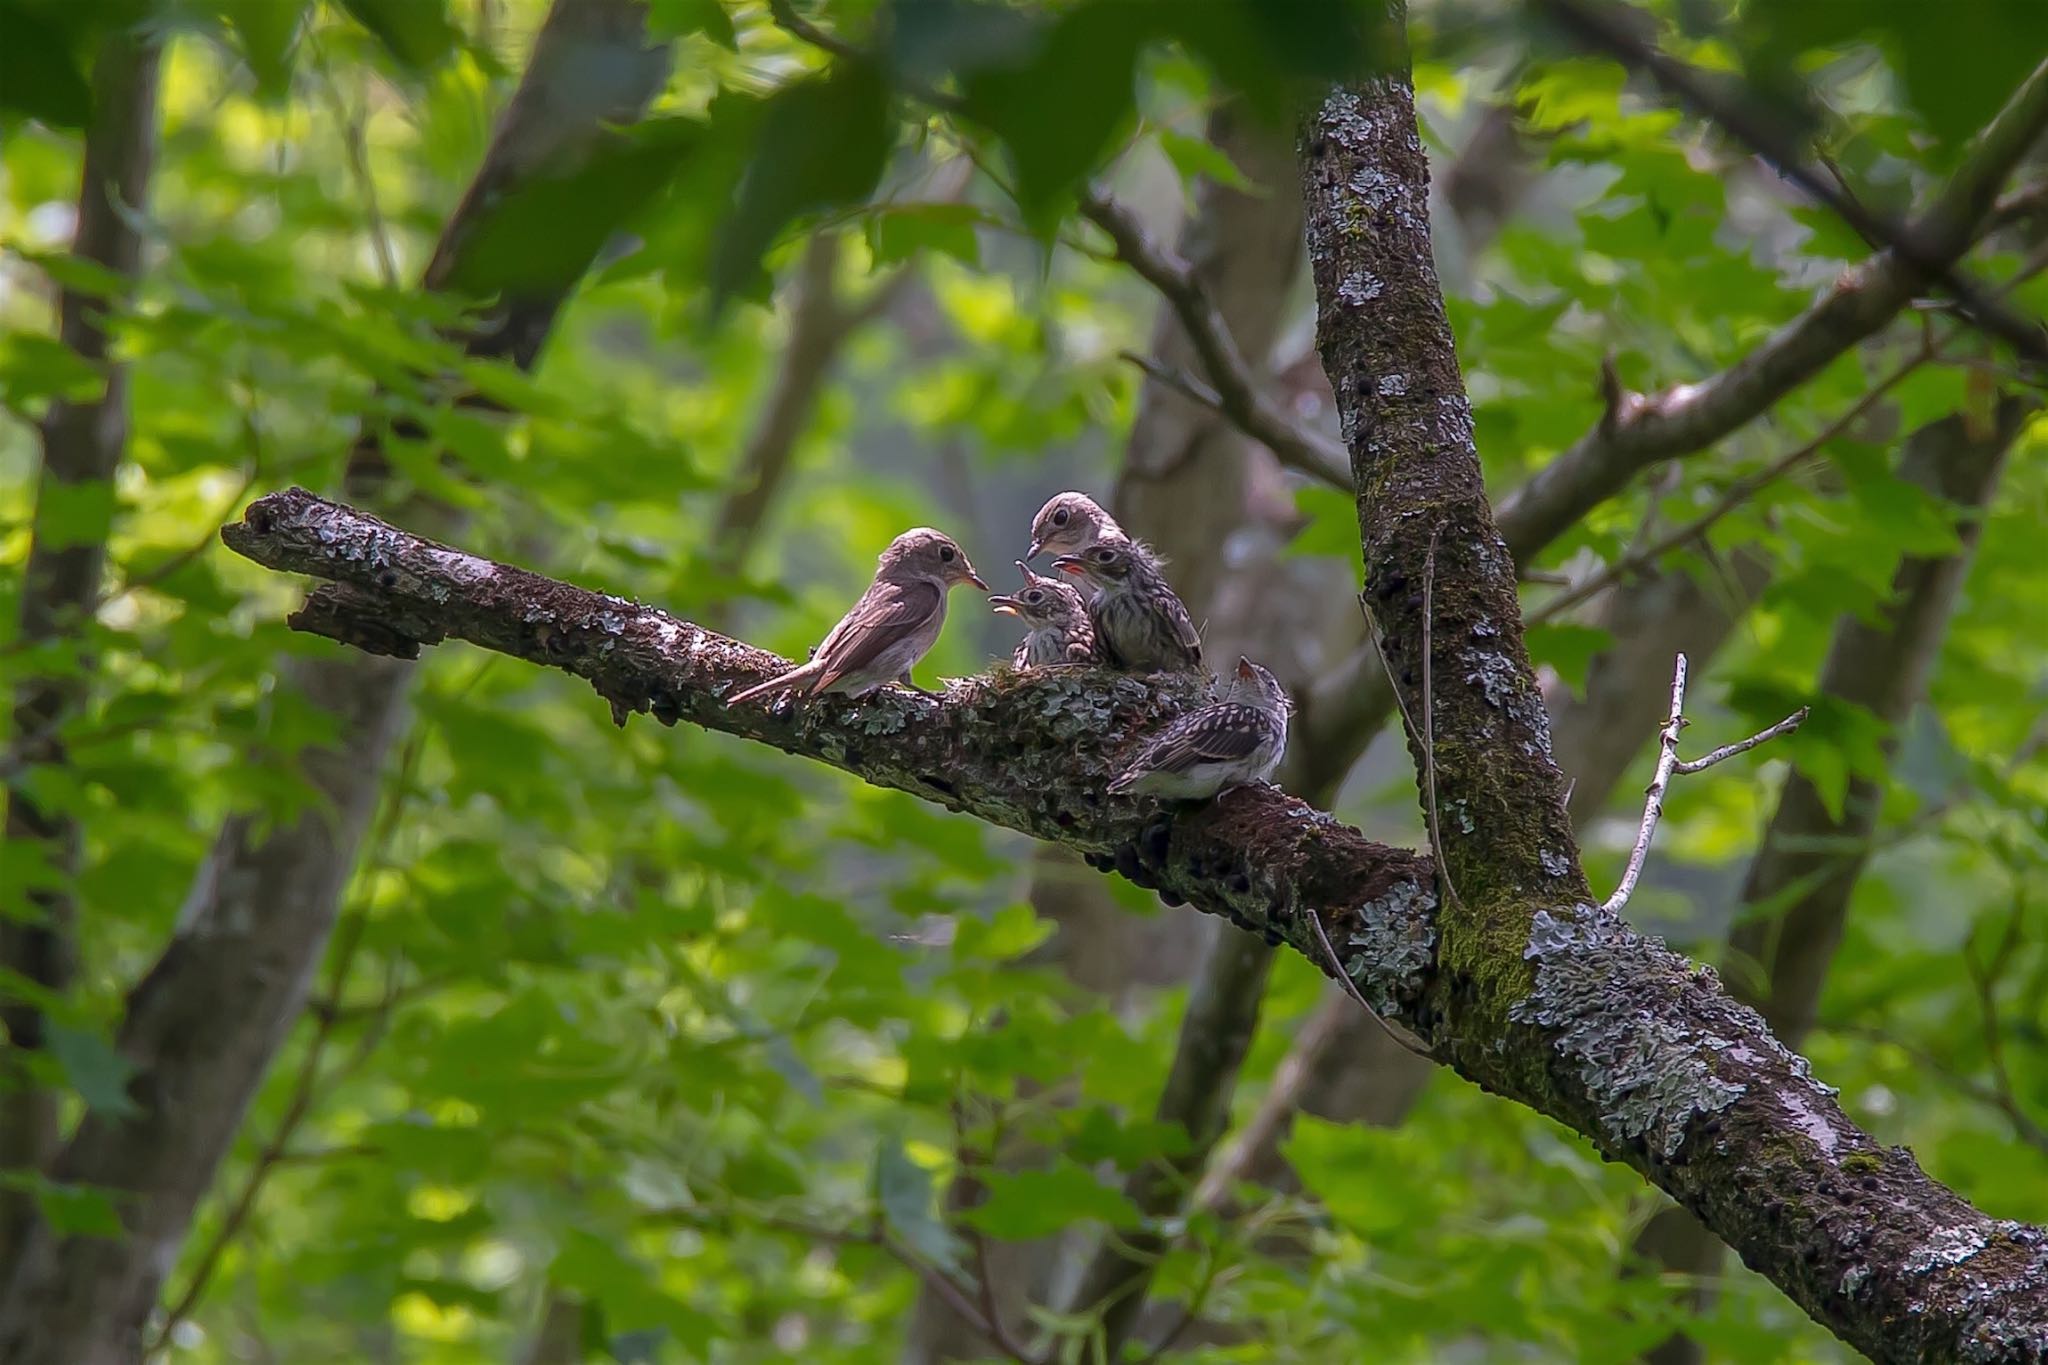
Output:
x,y
659,1030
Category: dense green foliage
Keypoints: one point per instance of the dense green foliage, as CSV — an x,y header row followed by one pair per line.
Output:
x,y
669,1025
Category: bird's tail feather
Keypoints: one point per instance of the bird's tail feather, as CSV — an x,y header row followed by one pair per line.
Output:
x,y
794,680
1125,782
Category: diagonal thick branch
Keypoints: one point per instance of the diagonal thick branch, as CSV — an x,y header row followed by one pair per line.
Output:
x,y
1639,430
1564,1007
1598,1027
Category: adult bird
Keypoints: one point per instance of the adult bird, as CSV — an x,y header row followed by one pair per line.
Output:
x,y
892,626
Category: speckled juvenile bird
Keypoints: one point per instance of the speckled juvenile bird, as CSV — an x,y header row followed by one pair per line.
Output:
x,y
1069,523
1140,623
893,625
1229,743
1057,630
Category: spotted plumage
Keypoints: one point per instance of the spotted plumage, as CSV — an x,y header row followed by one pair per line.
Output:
x,y
1057,629
1229,743
1140,623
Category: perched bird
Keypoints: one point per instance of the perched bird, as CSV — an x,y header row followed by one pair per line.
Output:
x,y
1229,743
892,626
1140,624
1056,621
1069,523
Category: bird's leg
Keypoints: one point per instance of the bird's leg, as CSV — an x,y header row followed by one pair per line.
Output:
x,y
904,681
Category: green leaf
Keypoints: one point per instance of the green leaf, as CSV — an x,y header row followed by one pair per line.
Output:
x,y
1102,1136
681,18
1022,1205
1331,525
822,143
98,1073
1198,158
897,232
80,1210
1086,55
904,1190
266,32
540,238
416,33
35,369
40,75
1012,932
1567,647
70,514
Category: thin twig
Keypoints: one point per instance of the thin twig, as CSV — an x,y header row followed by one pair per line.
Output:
x,y
1276,1106
1604,26
874,1234
1351,988
1741,746
1738,493
1238,393
985,1282
311,1083
1668,764
1436,838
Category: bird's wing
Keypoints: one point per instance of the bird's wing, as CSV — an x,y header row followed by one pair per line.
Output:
x,y
886,612
1184,628
1214,734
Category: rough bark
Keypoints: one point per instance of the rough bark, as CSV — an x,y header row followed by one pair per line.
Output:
x,y
1779,960
202,1025
1442,582
1529,992
82,446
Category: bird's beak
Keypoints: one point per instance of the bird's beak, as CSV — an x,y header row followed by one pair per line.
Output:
x,y
1037,546
1069,564
1003,604
973,577
1244,668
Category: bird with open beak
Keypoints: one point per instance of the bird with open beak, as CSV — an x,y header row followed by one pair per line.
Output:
x,y
892,626
1141,625
1229,743
1057,630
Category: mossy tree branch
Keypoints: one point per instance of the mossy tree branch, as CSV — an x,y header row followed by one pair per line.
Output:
x,y
1584,1020
1544,998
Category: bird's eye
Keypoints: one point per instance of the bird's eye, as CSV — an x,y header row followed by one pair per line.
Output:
x,y
946,554
1105,556
1034,597
1060,517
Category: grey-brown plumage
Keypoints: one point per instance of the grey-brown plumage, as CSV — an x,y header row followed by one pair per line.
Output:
x,y
1057,629
892,626
1069,523
1141,626
1229,743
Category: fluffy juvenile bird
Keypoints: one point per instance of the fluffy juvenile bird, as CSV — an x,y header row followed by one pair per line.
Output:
x,y
1056,624
1140,623
892,626
1069,523
1230,743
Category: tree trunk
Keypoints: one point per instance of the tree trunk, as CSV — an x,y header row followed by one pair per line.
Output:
x,y
82,446
203,1024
